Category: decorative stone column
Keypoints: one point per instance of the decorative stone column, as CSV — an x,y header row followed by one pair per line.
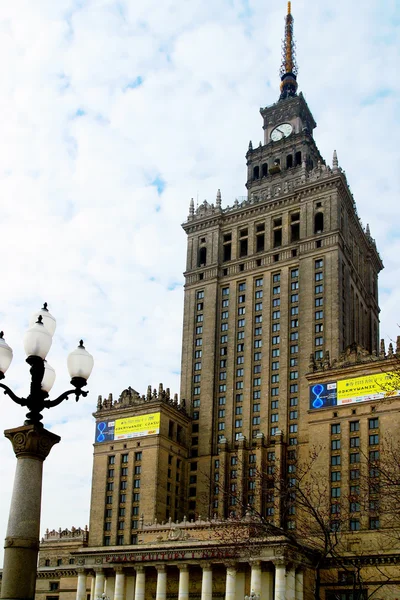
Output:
x,y
299,585
161,591
119,591
93,582
81,586
280,579
255,580
140,583
183,593
32,445
206,584
99,582
291,584
230,587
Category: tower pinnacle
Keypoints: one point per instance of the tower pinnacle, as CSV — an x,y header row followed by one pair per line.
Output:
x,y
288,70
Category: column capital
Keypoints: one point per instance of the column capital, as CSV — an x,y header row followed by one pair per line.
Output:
x,y
255,562
97,569
31,441
119,569
280,561
183,567
161,568
81,570
139,568
206,566
231,564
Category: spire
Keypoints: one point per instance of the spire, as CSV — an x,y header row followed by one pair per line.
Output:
x,y
218,199
191,208
288,70
335,162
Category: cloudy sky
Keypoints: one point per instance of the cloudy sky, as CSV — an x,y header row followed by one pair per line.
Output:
x,y
115,114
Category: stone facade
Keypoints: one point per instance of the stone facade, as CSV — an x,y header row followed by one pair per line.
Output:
x,y
266,475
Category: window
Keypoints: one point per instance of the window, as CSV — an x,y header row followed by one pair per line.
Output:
x,y
257,356
240,360
294,298
256,381
292,428
256,394
373,423
294,374
54,585
225,303
274,404
238,423
258,306
241,322
335,445
319,289
239,385
294,285
374,523
239,373
354,425
110,486
223,351
238,410
275,378
257,369
225,291
240,347
239,397
276,327
294,349
294,336
258,343
293,401
294,388
242,298
275,391
373,440
335,492
275,365
276,290
200,295
355,458
241,310
319,314
258,331
354,474
274,418
354,442
293,414
335,429
136,483
294,273
319,301
354,525
335,476
319,276
335,460
275,339
276,302
110,472
240,335
374,455
199,330
224,339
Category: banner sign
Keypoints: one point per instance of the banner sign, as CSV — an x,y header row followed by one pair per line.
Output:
x,y
133,427
356,389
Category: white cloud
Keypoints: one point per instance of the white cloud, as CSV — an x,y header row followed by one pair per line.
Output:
x,y
79,149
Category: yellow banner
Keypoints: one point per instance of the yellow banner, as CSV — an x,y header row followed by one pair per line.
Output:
x,y
141,425
370,387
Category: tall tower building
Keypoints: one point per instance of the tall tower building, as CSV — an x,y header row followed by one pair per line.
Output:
x,y
273,284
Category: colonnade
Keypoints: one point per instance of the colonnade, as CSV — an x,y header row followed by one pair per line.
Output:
x,y
282,582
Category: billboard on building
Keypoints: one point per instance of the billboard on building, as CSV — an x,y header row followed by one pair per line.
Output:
x,y
104,431
369,387
355,389
323,395
138,426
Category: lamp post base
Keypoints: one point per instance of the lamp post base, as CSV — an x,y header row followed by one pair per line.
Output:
x,y
32,445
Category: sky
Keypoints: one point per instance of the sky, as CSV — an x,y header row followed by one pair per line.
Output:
x,y
114,115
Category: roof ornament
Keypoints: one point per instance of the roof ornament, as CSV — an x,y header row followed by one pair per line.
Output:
x,y
218,199
335,162
289,69
191,208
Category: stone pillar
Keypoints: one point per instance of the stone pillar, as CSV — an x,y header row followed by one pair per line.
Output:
x,y
32,445
92,596
255,581
99,582
183,593
119,591
140,583
290,584
299,585
161,591
130,586
110,586
230,587
81,586
280,580
206,584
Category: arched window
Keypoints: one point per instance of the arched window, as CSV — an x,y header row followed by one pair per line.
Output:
x,y
256,173
202,257
264,170
319,222
298,159
289,161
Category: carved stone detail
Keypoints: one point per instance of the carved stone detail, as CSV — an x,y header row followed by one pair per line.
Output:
x,y
31,441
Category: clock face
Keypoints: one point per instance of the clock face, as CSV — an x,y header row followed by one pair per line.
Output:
x,y
282,131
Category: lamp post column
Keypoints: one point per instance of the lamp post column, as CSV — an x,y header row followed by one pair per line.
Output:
x,y
32,445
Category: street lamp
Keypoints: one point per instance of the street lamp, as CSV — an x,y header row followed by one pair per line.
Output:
x,y
32,444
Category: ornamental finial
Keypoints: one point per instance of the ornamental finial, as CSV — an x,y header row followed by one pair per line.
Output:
x,y
288,70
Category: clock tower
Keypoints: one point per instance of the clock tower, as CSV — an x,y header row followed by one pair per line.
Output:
x,y
289,147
